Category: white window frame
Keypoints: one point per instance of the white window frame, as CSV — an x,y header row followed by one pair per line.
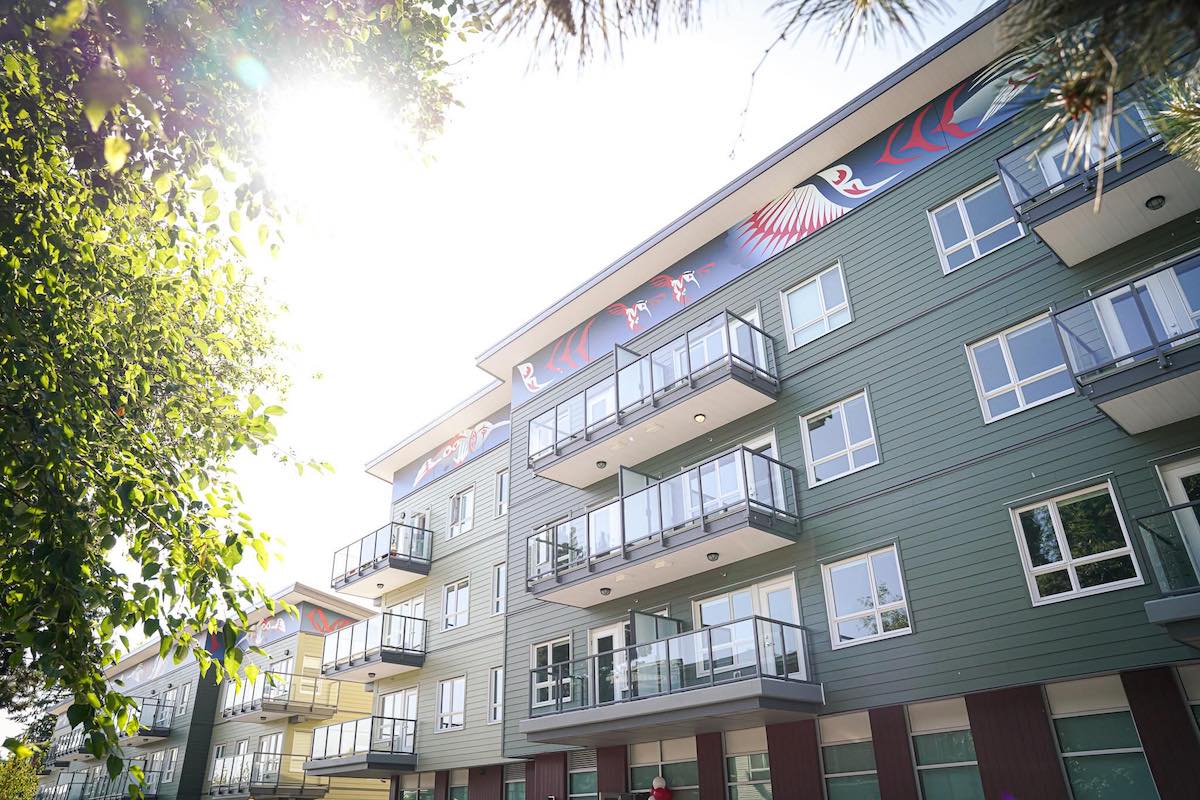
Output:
x,y
876,611
461,616
466,520
503,492
1016,383
499,588
810,467
972,240
444,722
563,689
170,759
1068,562
496,695
789,328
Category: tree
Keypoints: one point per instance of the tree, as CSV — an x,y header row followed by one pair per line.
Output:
x,y
134,342
18,778
1080,52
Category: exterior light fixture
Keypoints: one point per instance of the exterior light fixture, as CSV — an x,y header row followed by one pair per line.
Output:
x,y
605,591
699,418
379,586
370,674
1156,202
601,464
712,556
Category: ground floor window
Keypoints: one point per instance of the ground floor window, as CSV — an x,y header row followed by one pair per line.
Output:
x,y
514,790
581,785
848,757
944,750
748,777
417,786
673,759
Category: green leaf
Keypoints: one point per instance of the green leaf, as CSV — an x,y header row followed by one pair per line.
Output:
x,y
237,245
100,90
235,220
116,149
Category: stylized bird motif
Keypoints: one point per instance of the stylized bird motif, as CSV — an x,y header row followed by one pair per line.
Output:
x,y
678,285
841,178
632,313
529,379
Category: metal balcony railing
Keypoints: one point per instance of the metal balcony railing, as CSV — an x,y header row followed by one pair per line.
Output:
x,y
639,381
754,647
394,540
67,743
1171,537
736,480
298,692
252,773
154,714
365,735
1035,170
71,788
1141,320
372,637
105,788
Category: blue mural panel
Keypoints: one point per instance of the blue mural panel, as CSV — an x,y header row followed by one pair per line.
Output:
x,y
463,447
929,134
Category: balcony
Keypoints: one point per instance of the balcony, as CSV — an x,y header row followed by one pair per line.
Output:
x,y
719,371
375,648
276,695
1054,196
70,747
118,788
154,722
265,776
1172,539
385,559
732,507
371,747
69,787
745,673
1132,349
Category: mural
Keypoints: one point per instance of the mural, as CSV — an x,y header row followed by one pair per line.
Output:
x,y
464,446
952,120
312,619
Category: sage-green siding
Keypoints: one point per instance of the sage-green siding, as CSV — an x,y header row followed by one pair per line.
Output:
x,y
946,481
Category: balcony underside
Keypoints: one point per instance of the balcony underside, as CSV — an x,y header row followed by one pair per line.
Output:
x,y
271,710
269,791
1145,396
379,665
739,536
363,765
392,573
1179,614
1067,222
145,736
723,707
76,757
722,397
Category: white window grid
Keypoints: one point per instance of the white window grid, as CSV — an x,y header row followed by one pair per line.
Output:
x,y
1014,383
170,758
454,717
972,240
456,604
546,680
852,774
502,492
496,695
810,465
1069,562
499,588
826,312
462,512
878,610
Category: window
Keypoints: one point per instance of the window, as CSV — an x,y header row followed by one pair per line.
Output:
x,y
581,785
218,753
816,307
865,598
496,695
514,790
1075,545
270,743
417,786
550,683
1189,678
499,588
1098,741
181,705
501,493
674,759
171,757
737,640
458,784
452,700
1019,368
973,225
462,512
839,440
848,757
944,750
747,767
456,604
458,793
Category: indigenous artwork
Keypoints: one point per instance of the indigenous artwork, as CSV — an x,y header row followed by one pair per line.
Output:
x,y
938,128
464,446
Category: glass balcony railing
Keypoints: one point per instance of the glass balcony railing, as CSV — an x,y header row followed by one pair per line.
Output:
x,y
298,692
71,788
105,788
154,714
1141,320
1171,537
1036,169
256,772
372,637
640,381
739,479
394,540
747,648
365,735
66,744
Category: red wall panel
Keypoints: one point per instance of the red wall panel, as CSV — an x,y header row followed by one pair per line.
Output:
x,y
710,755
1018,759
795,758
1167,733
485,783
893,753
612,769
549,777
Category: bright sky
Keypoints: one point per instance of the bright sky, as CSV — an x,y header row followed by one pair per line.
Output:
x,y
402,274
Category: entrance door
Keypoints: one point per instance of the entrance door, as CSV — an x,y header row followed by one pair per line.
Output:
x,y
1181,481
266,768
407,633
765,477
399,712
780,644
1171,300
609,664
747,343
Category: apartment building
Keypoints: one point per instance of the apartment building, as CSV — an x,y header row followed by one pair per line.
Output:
x,y
433,655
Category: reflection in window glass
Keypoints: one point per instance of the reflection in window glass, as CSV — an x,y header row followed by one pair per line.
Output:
x,y
816,307
974,224
839,440
866,598
1019,368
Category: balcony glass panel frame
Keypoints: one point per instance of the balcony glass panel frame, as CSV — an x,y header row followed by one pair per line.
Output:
x,y
1167,537
363,736
370,638
638,381
66,743
236,774
106,788
724,484
154,714
395,540
743,649
299,693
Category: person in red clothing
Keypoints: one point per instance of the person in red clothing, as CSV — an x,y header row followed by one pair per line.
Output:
x,y
659,790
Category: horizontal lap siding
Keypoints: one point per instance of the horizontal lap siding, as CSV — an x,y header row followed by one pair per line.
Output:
x,y
946,479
